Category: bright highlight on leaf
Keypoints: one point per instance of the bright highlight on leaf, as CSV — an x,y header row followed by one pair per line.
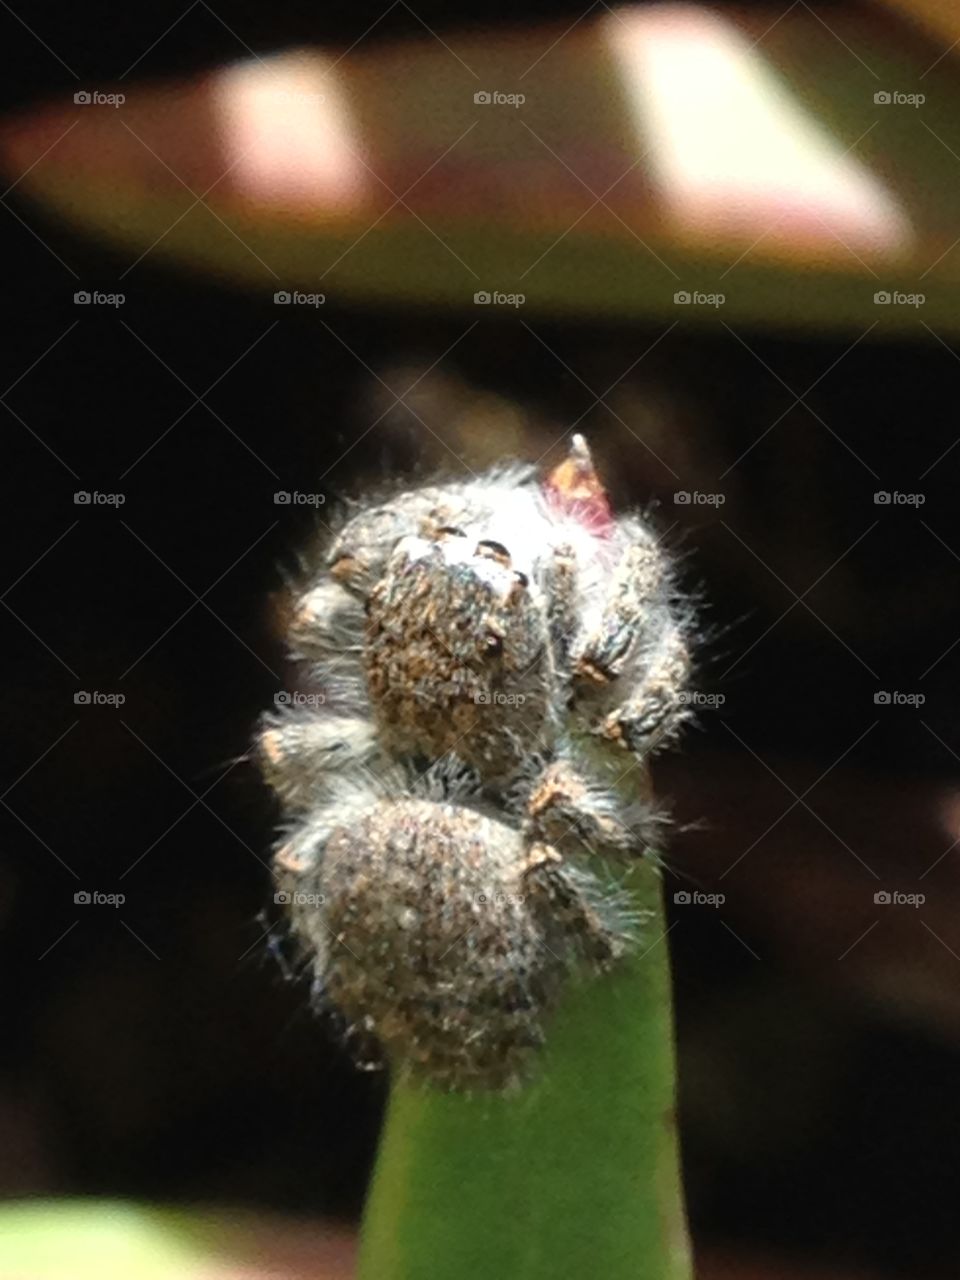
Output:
x,y
733,151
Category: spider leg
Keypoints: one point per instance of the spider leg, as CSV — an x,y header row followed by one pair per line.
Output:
x,y
302,756
655,706
633,665
327,621
574,815
560,588
572,810
582,918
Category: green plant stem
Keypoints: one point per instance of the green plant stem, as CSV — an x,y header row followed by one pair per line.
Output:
x,y
575,1174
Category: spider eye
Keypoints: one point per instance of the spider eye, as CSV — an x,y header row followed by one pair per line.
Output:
x,y
492,645
493,551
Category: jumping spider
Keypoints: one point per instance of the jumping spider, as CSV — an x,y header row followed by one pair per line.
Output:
x,y
495,655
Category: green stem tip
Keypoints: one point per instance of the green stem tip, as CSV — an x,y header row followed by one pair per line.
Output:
x,y
576,1173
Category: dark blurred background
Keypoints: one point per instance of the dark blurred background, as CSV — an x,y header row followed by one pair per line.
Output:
x,y
156,1049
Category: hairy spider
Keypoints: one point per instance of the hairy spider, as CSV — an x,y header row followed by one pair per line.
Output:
x,y
495,655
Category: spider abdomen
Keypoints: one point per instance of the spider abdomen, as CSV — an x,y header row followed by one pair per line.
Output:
x,y
436,945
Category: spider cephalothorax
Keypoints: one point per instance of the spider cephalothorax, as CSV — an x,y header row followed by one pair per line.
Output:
x,y
454,636
494,652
